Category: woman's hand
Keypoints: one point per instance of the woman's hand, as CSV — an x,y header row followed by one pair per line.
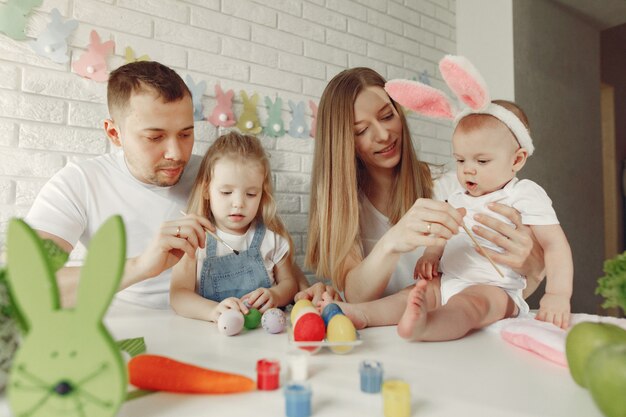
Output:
x,y
522,252
427,223
315,291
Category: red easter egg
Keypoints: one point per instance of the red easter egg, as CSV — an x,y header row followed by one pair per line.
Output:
x,y
309,328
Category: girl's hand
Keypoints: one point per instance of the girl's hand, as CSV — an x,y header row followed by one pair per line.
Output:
x,y
230,303
522,252
427,223
315,291
555,309
262,299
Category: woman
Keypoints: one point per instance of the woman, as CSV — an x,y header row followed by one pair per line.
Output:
x,y
373,203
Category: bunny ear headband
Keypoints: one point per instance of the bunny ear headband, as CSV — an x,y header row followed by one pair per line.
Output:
x,y
469,86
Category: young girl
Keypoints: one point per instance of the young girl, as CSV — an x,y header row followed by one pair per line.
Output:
x,y
491,143
234,191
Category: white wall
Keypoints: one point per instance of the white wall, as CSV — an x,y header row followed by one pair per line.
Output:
x,y
485,37
49,115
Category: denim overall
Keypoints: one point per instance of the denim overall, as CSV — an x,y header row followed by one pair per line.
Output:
x,y
234,275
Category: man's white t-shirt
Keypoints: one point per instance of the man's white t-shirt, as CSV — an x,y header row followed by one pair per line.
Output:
x,y
373,225
273,249
82,196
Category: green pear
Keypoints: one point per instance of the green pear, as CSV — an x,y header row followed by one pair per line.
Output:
x,y
606,377
583,339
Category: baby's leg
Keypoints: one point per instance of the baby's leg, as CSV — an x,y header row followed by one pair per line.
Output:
x,y
473,308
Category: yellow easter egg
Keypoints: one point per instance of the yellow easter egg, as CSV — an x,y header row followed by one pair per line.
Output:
x,y
297,306
302,312
340,329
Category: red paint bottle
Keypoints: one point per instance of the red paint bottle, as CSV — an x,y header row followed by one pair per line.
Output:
x,y
268,374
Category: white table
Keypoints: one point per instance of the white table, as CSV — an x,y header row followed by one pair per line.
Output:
x,y
479,375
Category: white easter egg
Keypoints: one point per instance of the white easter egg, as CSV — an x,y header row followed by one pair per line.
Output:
x,y
273,320
230,322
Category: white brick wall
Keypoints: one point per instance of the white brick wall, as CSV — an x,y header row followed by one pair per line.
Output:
x,y
290,48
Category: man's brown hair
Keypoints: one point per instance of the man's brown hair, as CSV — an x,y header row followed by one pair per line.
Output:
x,y
143,76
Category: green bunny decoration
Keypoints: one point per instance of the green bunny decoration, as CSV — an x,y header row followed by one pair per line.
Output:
x,y
274,125
249,120
67,364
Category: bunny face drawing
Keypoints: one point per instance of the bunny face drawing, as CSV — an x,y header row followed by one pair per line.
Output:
x,y
222,115
297,126
52,42
93,63
274,126
67,364
249,120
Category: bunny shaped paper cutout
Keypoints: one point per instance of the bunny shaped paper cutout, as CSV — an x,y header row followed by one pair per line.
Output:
x,y
249,120
274,126
313,108
297,126
130,56
470,88
52,42
197,91
222,115
93,63
67,361
13,17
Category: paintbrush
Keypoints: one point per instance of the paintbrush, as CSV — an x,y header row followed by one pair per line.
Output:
x,y
481,249
216,237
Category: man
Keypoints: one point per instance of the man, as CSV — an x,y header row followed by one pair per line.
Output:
x,y
147,184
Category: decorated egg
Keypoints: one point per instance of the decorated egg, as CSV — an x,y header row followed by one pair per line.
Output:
x,y
341,329
329,312
302,312
273,321
309,328
230,322
252,319
297,306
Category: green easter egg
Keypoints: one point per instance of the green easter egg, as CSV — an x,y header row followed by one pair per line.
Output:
x,y
252,319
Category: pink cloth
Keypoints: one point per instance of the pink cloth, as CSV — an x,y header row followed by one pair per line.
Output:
x,y
544,339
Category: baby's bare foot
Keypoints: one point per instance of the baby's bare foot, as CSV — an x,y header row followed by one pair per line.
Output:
x,y
352,311
413,322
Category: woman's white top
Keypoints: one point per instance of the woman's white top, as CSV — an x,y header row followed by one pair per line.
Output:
x,y
373,225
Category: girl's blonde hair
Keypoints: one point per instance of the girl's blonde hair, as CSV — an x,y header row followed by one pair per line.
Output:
x,y
245,149
338,176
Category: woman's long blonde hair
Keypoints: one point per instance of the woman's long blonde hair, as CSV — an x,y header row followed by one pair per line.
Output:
x,y
338,176
246,149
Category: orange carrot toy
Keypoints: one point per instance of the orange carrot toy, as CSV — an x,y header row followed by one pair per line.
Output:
x,y
159,373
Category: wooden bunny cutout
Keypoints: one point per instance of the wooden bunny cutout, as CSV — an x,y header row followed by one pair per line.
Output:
x,y
297,126
13,17
249,120
274,126
93,63
67,360
52,42
222,115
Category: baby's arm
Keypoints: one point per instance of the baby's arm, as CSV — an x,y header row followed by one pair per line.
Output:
x,y
188,303
427,267
554,306
279,295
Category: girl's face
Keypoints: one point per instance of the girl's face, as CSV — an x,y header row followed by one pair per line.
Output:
x,y
377,130
235,194
487,158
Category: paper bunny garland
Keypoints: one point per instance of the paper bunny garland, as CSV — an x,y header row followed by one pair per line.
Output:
x,y
93,63
52,42
297,126
67,360
13,17
130,56
249,120
274,125
197,91
222,115
468,85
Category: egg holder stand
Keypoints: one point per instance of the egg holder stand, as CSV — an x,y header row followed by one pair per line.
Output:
x,y
313,347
